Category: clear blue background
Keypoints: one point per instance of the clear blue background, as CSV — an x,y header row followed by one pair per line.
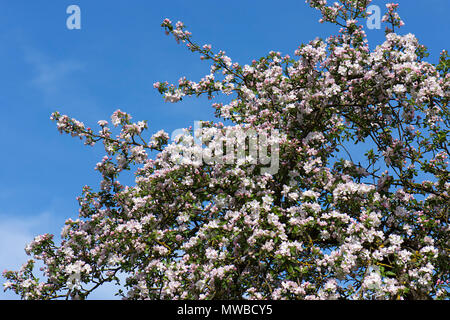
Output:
x,y
112,62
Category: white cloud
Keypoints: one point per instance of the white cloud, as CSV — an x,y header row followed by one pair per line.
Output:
x,y
50,75
59,80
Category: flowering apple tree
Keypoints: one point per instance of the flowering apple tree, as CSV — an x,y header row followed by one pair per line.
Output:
x,y
356,208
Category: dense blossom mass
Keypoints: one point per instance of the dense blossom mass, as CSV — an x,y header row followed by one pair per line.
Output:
x,y
357,208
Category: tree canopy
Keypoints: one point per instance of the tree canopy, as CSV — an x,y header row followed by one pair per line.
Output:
x,y
341,189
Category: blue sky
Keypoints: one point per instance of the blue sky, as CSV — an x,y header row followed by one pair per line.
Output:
x,y
112,62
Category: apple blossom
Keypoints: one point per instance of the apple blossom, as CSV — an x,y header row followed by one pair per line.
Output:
x,y
319,225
